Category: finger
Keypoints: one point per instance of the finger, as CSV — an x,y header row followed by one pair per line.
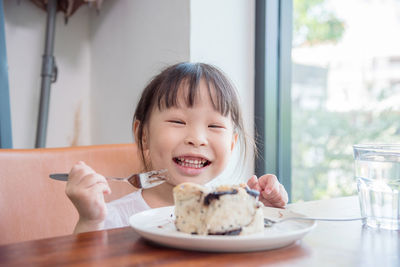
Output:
x,y
275,197
270,203
273,191
280,204
91,179
78,171
253,182
100,189
79,194
78,166
271,195
269,183
284,193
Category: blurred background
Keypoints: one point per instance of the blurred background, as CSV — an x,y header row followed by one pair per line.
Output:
x,y
345,89
105,58
344,74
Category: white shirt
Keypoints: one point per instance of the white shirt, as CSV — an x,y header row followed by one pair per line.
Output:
x,y
121,209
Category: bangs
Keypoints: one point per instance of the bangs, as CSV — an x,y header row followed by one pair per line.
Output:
x,y
186,78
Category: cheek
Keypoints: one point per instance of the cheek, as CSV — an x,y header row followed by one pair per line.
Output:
x,y
225,150
161,144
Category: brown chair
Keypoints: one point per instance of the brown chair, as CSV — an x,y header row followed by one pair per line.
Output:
x,y
33,206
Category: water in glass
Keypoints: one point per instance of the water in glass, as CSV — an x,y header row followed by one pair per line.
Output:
x,y
377,170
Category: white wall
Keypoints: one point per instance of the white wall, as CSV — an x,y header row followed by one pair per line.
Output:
x,y
69,122
131,42
105,61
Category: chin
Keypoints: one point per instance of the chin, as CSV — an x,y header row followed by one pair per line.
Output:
x,y
196,180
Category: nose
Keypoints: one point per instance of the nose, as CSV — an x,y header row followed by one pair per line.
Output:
x,y
196,138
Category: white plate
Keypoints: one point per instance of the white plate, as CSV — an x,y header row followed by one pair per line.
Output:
x,y
157,225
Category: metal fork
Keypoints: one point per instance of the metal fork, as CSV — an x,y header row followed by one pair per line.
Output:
x,y
138,180
269,222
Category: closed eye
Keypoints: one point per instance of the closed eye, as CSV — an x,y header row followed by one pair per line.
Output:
x,y
215,126
177,122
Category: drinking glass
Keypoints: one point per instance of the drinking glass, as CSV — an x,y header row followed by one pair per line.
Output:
x,y
377,170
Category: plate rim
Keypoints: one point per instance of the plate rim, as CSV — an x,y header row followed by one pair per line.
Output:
x,y
155,236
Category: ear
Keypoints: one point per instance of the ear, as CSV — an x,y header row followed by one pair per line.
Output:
x,y
136,125
234,140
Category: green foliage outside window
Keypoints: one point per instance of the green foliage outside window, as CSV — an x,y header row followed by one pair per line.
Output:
x,y
322,138
322,151
314,24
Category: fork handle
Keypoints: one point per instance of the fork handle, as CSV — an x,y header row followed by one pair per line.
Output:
x,y
59,176
64,177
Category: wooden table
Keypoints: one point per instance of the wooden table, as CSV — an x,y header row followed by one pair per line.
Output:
x,y
329,244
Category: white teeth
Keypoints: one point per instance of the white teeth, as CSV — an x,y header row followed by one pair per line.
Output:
x,y
191,163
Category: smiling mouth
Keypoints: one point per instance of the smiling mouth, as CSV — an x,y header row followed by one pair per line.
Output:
x,y
195,163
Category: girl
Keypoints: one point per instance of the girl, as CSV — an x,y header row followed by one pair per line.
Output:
x,y
187,121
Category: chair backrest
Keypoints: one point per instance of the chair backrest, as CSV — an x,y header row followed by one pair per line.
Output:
x,y
33,206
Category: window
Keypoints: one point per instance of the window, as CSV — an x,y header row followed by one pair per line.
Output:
x,y
344,88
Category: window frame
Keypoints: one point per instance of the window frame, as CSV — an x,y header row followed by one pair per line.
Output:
x,y
5,113
272,102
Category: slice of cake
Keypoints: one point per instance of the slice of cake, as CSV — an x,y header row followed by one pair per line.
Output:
x,y
225,210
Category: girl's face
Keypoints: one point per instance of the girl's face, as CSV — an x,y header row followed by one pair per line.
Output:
x,y
193,143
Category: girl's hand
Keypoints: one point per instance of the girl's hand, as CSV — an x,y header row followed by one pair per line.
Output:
x,y
86,189
272,193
